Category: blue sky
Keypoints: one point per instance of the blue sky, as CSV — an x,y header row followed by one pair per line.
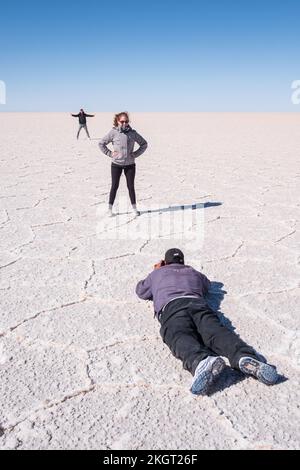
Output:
x,y
192,55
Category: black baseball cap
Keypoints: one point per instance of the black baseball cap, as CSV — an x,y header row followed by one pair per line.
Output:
x,y
174,255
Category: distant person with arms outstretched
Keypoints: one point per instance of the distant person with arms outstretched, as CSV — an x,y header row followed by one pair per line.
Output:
x,y
192,331
82,121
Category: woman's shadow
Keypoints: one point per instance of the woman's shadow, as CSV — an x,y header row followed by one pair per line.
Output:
x,y
229,376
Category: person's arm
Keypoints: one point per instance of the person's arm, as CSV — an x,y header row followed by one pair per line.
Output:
x,y
107,139
89,115
143,289
75,115
206,283
142,143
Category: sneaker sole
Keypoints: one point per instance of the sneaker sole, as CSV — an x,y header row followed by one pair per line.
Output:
x,y
205,379
263,372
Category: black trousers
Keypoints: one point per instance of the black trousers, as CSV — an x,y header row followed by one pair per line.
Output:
x,y
116,172
193,331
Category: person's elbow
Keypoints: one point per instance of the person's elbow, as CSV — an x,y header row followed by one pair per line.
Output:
x,y
143,292
208,285
139,290
102,146
141,150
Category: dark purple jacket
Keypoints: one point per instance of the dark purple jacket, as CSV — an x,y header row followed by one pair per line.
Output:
x,y
171,281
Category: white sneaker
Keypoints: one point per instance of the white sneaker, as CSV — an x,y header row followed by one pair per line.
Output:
x,y
135,211
205,373
263,372
110,213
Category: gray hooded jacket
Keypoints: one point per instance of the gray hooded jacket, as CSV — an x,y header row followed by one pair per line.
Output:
x,y
123,142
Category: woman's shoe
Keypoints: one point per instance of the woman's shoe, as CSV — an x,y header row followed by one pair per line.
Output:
x,y
135,211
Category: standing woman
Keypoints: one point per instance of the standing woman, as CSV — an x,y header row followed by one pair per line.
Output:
x,y
123,156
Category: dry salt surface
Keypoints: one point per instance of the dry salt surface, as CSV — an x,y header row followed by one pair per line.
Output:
x,y
82,365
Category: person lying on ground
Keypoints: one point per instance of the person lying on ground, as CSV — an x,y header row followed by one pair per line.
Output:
x,y
192,330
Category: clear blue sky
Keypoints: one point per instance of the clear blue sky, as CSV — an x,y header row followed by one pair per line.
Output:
x,y
159,55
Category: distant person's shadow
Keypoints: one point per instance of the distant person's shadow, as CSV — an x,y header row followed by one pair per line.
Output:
x,y
202,205
229,376
183,207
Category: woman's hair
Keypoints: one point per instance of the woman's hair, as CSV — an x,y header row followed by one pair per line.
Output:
x,y
118,115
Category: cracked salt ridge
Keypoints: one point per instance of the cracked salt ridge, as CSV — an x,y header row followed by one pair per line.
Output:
x,y
125,341
275,324
97,203
127,254
240,439
51,223
10,428
265,218
9,264
243,441
289,289
84,391
32,207
5,222
286,236
227,257
13,185
20,247
144,245
235,253
118,256
91,276
72,251
69,347
30,174
118,226
33,317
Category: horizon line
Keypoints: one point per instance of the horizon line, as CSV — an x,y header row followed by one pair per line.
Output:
x,y
169,112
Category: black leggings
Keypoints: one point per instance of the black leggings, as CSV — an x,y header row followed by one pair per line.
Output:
x,y
116,171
